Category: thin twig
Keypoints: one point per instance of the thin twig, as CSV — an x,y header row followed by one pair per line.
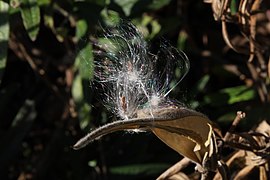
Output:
x,y
239,115
174,169
255,76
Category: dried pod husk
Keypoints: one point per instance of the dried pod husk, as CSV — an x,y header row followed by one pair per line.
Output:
x,y
188,132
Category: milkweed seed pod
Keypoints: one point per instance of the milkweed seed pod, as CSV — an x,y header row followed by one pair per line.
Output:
x,y
137,84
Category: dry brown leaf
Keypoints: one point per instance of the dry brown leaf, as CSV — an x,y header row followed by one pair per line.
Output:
x,y
179,176
263,173
191,145
242,174
190,134
264,128
243,161
218,7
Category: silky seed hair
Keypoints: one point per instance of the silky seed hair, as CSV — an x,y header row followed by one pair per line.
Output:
x,y
130,76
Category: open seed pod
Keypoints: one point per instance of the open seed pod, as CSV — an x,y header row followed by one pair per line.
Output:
x,y
188,132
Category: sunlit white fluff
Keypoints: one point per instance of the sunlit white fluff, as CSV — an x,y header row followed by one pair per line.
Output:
x,y
130,75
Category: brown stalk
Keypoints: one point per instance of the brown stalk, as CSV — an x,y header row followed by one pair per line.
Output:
x,y
174,169
258,83
239,116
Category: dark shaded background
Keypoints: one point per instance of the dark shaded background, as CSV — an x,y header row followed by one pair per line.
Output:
x,y
47,103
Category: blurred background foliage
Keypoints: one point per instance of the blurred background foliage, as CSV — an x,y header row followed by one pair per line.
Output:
x,y
47,103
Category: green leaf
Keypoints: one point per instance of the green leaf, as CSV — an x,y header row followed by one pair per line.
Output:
x,y
30,13
201,84
48,21
239,94
157,4
144,23
83,109
135,169
110,17
4,34
130,7
92,163
81,28
230,96
84,116
126,5
84,61
97,2
44,2
182,40
77,89
233,7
